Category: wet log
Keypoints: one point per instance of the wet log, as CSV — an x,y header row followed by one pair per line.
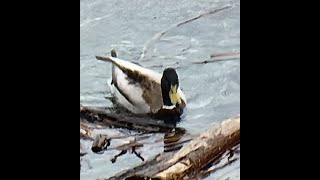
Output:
x,y
193,158
172,140
97,132
124,120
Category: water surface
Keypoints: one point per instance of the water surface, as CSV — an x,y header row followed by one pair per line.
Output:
x,y
212,90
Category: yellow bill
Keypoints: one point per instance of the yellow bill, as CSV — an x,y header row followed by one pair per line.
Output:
x,y
174,97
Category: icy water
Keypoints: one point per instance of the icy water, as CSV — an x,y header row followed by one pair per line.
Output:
x,y
131,27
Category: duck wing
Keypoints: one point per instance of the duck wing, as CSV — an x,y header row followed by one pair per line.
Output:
x,y
140,86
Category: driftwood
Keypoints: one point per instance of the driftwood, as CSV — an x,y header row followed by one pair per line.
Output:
x,y
193,159
90,120
173,140
184,156
124,120
203,150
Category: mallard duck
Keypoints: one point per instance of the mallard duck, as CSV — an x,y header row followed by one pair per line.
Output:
x,y
143,91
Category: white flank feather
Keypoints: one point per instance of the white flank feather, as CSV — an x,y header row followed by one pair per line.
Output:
x,y
134,92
